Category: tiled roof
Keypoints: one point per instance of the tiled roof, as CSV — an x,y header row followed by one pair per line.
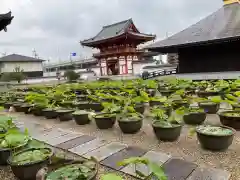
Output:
x,y
19,58
223,24
5,20
114,30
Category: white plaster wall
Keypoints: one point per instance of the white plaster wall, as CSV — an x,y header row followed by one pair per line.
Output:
x,y
138,67
53,74
26,66
97,71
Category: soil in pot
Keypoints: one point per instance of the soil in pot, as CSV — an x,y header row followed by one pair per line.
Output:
x,y
105,121
209,107
50,113
25,164
215,138
74,170
81,117
230,118
195,118
64,114
130,126
166,132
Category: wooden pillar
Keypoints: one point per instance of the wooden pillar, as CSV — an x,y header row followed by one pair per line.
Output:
x,y
126,65
100,64
132,65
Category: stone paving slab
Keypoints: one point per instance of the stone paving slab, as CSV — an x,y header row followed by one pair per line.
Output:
x,y
113,160
178,169
110,154
51,134
62,139
81,139
209,174
106,151
157,157
89,146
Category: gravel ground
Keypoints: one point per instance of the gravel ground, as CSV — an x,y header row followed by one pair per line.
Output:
x,y
186,147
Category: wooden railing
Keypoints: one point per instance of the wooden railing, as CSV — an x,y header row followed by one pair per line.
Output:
x,y
157,73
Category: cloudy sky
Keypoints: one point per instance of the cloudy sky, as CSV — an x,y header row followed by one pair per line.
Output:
x,y
55,27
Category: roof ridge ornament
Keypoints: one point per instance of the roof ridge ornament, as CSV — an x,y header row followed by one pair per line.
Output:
x,y
226,2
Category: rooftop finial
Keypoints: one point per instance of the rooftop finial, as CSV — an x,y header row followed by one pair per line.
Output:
x,y
226,2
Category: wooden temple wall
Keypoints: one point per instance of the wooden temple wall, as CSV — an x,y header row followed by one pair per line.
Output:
x,y
210,58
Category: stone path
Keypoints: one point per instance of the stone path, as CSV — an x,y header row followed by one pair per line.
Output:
x,y
111,153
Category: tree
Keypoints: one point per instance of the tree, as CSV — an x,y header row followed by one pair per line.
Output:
x,y
17,74
71,75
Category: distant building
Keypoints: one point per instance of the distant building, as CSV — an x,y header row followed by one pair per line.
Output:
x,y
211,45
117,44
32,67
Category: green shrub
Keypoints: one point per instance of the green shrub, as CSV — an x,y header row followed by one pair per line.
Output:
x,y
71,75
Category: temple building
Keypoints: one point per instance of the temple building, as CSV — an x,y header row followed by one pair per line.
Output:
x,y
117,44
5,20
211,45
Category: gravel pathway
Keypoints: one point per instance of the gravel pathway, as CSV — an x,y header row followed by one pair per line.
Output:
x,y
186,147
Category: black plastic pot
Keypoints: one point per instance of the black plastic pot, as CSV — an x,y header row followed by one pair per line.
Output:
x,y
131,126
167,133
83,105
205,94
81,119
97,107
155,103
236,106
215,142
17,107
25,108
37,111
178,104
195,118
28,171
151,92
210,108
140,108
64,115
50,113
230,121
166,92
105,121
7,105
5,154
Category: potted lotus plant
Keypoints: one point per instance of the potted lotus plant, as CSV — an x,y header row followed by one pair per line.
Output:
x,y
82,117
70,169
107,118
11,141
210,105
129,121
215,138
26,163
166,128
194,115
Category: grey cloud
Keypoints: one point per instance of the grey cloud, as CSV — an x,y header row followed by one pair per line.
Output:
x,y
55,27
